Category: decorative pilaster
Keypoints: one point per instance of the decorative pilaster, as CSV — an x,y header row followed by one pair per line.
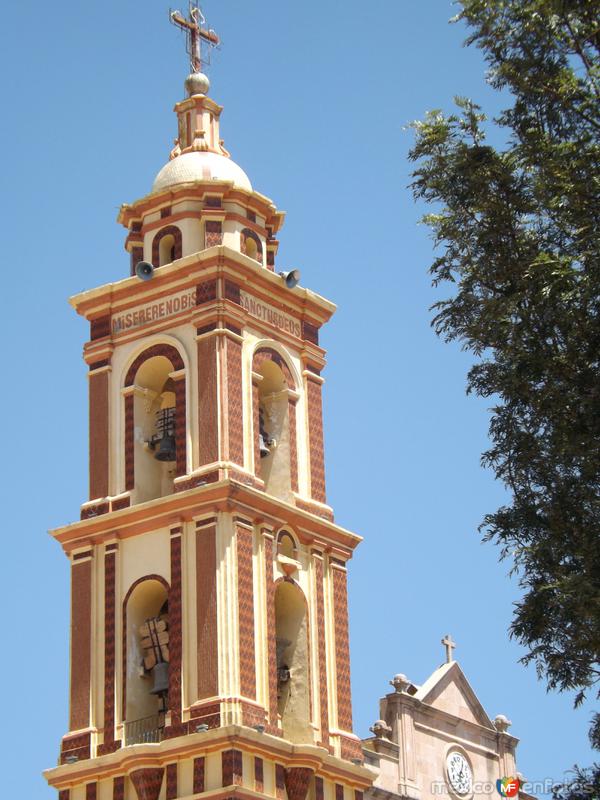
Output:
x,y
129,442
175,634
81,640
256,379
245,590
206,609
292,400
119,788
268,544
180,423
322,650
342,645
231,399
109,744
99,432
147,782
198,780
208,421
316,459
171,781
297,781
232,768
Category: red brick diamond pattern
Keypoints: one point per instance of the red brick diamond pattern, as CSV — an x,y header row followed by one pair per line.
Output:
x,y
234,402
271,643
213,233
207,400
129,455
180,429
198,786
255,429
175,630
171,781
342,649
119,788
315,433
246,613
231,766
259,778
109,646
297,781
323,696
206,612
293,445
147,782
279,781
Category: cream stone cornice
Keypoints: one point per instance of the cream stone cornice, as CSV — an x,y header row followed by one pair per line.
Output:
x,y
229,495
93,372
263,205
126,759
312,376
454,737
116,297
204,101
452,720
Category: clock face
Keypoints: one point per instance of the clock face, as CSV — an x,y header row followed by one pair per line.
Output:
x,y
459,773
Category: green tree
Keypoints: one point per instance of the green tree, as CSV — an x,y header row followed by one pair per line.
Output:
x,y
583,785
517,229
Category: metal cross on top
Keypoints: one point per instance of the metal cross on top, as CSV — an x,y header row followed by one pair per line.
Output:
x,y
195,34
449,645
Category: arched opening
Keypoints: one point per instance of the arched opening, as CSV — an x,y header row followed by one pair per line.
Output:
x,y
167,246
286,545
251,245
155,452
166,250
293,679
146,661
274,430
251,248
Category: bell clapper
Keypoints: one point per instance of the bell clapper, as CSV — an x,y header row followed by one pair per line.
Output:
x,y
265,442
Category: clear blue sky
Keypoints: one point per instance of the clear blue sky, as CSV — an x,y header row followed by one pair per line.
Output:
x,y
316,96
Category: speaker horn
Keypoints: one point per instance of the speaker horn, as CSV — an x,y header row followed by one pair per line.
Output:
x,y
144,270
291,278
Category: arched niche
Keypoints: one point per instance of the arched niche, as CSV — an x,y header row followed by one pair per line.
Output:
x,y
166,250
286,544
155,420
143,711
167,246
293,676
275,424
251,245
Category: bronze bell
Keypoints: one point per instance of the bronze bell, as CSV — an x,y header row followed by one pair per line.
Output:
x,y
166,449
160,675
264,450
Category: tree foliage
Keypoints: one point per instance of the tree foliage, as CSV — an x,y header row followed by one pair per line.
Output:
x,y
583,785
518,236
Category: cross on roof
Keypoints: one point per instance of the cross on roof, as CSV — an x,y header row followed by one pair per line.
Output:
x,y
449,645
195,34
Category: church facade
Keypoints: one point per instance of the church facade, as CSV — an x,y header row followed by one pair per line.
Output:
x,y
209,613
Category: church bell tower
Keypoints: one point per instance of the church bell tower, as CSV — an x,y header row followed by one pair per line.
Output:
x,y
209,619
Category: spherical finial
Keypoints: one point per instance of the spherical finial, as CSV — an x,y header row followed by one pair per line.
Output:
x,y
380,728
502,723
400,683
197,83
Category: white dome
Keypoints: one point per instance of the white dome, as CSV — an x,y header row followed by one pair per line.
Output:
x,y
200,166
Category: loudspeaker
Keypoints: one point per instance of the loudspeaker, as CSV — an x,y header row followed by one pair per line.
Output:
x,y
291,278
144,270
